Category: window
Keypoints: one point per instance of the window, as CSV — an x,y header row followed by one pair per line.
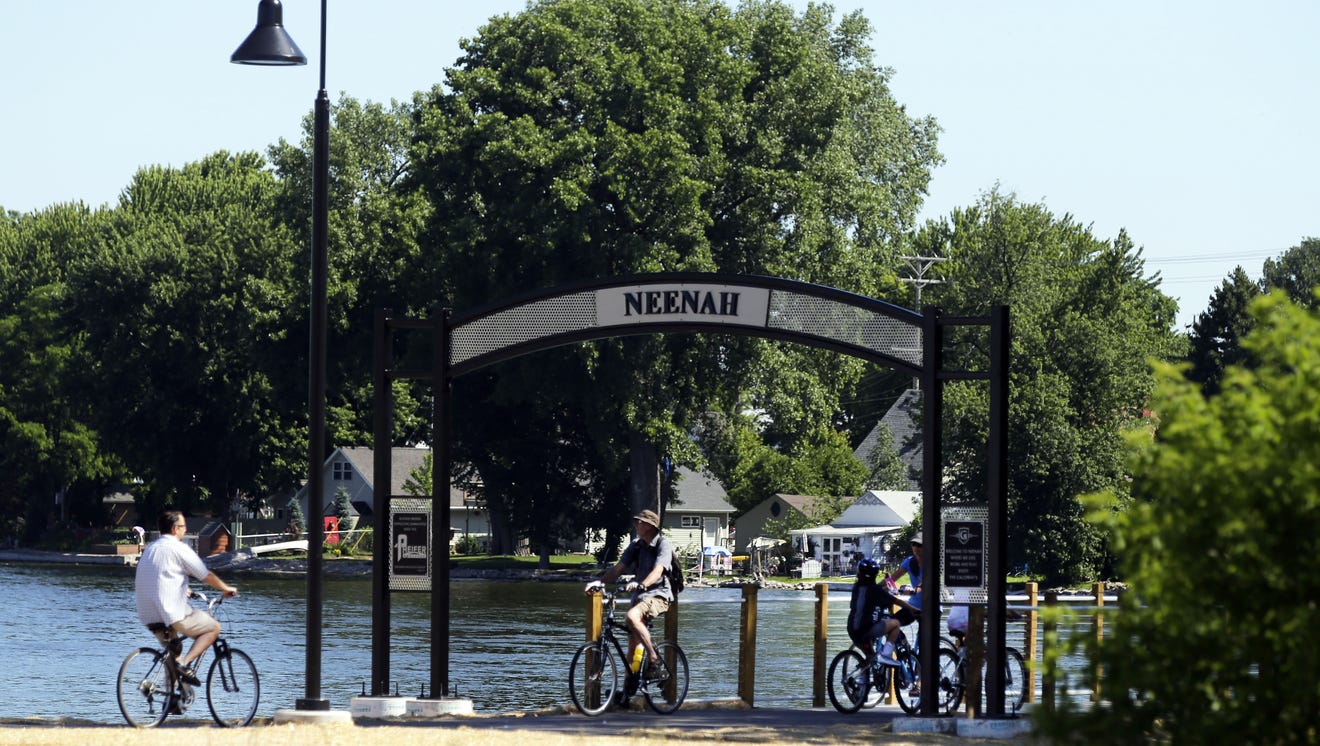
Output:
x,y
690,521
341,471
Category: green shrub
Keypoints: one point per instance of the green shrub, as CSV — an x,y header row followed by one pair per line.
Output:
x,y
1215,641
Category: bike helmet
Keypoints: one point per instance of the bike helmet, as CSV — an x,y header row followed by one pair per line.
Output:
x,y
867,569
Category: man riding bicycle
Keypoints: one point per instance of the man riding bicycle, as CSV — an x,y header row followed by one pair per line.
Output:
x,y
648,556
162,593
868,613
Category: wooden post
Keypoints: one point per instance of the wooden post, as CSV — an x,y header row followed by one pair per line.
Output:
x,y
1049,641
671,634
594,625
594,622
747,646
890,696
1029,648
975,658
1099,590
822,638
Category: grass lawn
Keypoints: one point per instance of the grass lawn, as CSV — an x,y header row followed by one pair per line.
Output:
x,y
515,562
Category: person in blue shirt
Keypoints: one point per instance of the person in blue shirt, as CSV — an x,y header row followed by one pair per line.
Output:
x,y
910,566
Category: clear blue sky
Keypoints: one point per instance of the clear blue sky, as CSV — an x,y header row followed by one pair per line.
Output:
x,y
1190,124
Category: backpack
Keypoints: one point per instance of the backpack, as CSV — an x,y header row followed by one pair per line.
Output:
x,y
675,573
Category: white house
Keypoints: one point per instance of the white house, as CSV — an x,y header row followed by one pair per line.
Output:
x,y
866,527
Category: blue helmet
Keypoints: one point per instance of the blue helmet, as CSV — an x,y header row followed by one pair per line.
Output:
x,y
867,569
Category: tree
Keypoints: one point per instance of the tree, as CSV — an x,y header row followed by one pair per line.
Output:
x,y
49,440
1296,273
374,228
196,373
1208,645
1085,321
597,138
1217,332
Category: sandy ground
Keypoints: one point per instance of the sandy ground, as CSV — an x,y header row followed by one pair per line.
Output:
x,y
318,735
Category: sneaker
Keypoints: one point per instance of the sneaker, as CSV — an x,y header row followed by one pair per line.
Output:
x,y
886,656
188,674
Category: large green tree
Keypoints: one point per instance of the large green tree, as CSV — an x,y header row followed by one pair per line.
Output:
x,y
1214,641
1216,334
49,442
375,256
596,138
1216,337
187,308
1085,320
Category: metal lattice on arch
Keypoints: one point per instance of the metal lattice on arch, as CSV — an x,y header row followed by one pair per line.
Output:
x,y
688,302
759,306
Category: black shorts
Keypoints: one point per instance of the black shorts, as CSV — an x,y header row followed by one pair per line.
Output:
x,y
904,616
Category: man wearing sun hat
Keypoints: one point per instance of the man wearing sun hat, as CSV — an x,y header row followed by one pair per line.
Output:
x,y
647,557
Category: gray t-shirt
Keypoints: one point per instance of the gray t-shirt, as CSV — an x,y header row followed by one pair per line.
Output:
x,y
642,557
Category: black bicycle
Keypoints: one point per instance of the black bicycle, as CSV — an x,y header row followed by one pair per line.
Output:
x,y
150,689
953,676
593,676
853,678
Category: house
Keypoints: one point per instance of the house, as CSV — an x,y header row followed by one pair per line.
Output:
x,y
751,524
698,514
351,469
695,517
903,421
865,528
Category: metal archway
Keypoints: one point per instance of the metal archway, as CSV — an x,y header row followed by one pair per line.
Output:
x,y
749,305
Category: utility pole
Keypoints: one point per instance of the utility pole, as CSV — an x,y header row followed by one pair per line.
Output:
x,y
920,265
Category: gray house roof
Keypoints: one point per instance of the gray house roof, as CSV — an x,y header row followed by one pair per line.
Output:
x,y
403,461
698,493
904,423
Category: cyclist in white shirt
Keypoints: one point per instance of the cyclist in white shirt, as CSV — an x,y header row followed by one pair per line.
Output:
x,y
162,592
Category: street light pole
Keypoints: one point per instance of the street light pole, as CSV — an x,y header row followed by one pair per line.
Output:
x,y
269,44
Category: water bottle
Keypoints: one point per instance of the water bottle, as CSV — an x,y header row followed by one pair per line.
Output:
x,y
636,664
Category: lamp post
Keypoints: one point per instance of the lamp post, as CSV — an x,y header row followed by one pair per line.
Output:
x,y
270,44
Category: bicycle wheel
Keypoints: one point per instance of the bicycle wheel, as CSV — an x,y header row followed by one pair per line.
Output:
x,y
907,684
666,683
950,682
232,688
144,688
1015,681
593,678
848,682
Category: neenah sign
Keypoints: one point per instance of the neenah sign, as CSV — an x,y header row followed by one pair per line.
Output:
x,y
662,304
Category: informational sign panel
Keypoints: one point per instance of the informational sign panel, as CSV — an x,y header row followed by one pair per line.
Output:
x,y
410,544
964,552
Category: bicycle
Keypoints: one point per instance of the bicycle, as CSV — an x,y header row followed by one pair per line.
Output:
x,y
593,676
853,679
953,676
149,688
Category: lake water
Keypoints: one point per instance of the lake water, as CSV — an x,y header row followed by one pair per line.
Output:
x,y
64,630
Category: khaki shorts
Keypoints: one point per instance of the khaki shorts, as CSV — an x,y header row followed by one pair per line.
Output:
x,y
652,607
194,625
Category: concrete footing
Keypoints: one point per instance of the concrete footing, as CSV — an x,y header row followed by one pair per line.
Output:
x,y
314,717
395,707
989,728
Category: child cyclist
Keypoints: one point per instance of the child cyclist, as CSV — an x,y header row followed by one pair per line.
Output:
x,y
869,617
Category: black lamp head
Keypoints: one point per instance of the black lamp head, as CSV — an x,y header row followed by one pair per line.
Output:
x,y
269,43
